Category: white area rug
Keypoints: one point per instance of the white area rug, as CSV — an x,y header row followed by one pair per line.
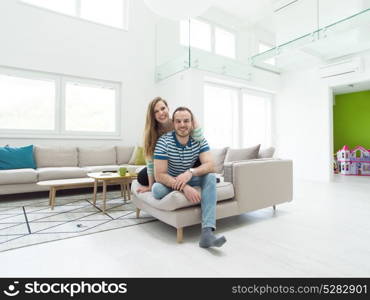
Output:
x,y
30,222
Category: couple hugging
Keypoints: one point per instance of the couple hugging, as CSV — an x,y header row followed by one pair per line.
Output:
x,y
179,158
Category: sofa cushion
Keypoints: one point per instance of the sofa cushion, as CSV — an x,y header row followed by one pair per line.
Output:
x,y
124,154
219,158
56,156
17,158
176,200
266,153
93,169
60,173
16,176
90,156
242,154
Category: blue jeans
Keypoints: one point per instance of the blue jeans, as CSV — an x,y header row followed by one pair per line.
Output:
x,y
208,196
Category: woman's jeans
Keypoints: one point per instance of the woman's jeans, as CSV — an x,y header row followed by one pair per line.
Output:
x,y
208,196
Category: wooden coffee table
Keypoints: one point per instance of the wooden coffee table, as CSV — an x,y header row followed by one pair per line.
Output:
x,y
64,184
109,179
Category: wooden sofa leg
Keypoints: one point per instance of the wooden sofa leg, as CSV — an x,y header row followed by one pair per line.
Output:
x,y
180,234
137,213
274,207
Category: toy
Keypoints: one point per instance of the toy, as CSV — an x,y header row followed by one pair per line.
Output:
x,y
353,162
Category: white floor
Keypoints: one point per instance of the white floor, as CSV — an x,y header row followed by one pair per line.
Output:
x,y
324,232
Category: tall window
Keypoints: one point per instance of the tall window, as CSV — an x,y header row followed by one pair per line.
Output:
x,y
236,117
208,37
38,103
221,116
224,42
256,119
108,12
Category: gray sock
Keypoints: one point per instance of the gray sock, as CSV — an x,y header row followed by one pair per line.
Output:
x,y
208,239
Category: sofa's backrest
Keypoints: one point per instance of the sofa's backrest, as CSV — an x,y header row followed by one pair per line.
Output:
x,y
55,156
124,154
96,156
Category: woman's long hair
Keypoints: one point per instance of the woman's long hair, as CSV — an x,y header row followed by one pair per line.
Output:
x,y
152,130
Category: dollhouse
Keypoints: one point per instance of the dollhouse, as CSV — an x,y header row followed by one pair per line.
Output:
x,y
353,162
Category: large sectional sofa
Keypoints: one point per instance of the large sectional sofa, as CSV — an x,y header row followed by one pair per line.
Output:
x,y
250,179
54,163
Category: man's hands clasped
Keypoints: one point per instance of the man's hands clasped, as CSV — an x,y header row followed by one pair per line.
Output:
x,y
182,180
181,185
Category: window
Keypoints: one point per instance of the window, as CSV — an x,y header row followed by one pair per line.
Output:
x,y
263,47
224,43
40,104
27,103
221,117
200,34
108,12
235,117
89,108
207,37
256,119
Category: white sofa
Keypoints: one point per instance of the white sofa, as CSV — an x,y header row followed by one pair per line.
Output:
x,y
247,185
64,163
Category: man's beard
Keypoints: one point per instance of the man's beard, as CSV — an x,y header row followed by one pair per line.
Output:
x,y
184,133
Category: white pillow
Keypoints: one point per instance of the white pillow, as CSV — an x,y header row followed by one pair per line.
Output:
x,y
266,153
242,154
218,156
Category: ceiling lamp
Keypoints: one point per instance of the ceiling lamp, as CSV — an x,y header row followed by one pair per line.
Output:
x,y
179,9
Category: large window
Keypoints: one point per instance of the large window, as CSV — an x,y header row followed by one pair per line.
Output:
x,y
221,118
236,117
36,103
89,108
256,118
208,37
27,103
108,12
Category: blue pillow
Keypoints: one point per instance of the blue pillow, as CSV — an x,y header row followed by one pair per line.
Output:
x,y
16,158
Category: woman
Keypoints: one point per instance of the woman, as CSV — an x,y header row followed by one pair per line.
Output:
x,y
157,123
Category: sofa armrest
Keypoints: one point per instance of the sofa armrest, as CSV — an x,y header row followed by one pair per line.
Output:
x,y
261,183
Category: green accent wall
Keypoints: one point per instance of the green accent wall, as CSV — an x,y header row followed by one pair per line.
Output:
x,y
351,117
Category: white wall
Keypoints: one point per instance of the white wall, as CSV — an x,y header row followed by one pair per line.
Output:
x,y
303,120
35,39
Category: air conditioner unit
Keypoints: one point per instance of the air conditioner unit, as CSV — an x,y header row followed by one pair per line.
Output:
x,y
344,67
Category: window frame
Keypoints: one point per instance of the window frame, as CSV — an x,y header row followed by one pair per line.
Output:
x,y
59,131
77,16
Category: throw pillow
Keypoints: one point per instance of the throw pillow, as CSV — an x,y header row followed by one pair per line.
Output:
x,y
219,158
133,156
17,158
266,153
139,156
242,154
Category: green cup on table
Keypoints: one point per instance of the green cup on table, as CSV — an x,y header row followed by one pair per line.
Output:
x,y
122,171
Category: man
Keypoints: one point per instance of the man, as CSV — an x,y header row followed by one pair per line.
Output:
x,y
174,155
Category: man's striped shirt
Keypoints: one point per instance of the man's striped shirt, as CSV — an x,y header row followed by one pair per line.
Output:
x,y
180,158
